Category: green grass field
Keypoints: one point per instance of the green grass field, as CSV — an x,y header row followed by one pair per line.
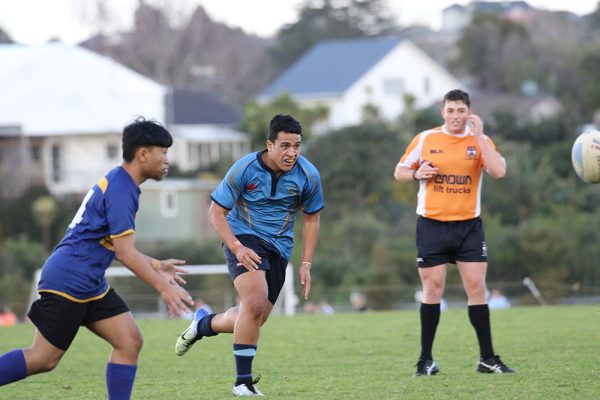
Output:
x,y
555,350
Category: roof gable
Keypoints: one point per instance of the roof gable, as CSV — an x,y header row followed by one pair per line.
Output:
x,y
332,66
61,89
188,107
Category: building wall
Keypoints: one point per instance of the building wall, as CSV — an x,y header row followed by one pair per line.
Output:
x,y
73,164
405,70
174,210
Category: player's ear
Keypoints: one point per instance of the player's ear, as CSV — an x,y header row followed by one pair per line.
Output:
x,y
270,145
142,154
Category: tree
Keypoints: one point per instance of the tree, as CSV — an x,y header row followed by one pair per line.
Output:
x,y
588,67
497,53
329,19
257,116
188,49
44,212
357,163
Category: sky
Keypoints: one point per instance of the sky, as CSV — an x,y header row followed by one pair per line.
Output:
x,y
37,21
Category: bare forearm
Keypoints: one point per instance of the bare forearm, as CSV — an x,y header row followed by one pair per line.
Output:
x,y
141,266
219,223
310,236
492,160
403,174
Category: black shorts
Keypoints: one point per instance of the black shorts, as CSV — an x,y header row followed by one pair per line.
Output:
x,y
440,242
271,262
58,319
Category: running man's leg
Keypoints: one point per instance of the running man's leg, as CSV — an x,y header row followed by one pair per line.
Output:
x,y
18,364
126,340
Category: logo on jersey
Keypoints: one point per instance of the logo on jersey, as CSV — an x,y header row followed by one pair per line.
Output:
x,y
453,179
293,190
471,152
436,151
251,187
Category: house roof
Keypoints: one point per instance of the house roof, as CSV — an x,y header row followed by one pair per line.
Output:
x,y
56,89
332,66
208,133
490,6
189,107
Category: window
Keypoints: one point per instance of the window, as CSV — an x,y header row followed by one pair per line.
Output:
x,y
169,204
56,168
35,152
112,151
393,87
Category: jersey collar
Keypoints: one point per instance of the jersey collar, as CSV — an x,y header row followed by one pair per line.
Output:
x,y
460,135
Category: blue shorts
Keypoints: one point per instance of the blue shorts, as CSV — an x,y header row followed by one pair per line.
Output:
x,y
58,319
271,262
441,242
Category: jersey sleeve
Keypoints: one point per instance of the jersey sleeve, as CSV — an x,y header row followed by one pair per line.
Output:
x,y
312,196
412,155
230,188
121,207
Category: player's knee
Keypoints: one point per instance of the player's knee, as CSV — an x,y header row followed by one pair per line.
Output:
x,y
137,342
433,292
476,292
38,364
131,344
256,306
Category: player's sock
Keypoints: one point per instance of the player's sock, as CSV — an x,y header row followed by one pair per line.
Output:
x,y
430,318
119,380
244,355
479,315
205,327
12,367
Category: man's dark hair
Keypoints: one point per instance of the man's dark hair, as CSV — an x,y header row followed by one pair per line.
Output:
x,y
457,95
283,123
144,133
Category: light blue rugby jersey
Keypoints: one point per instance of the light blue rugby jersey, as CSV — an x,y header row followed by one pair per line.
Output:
x,y
76,268
263,205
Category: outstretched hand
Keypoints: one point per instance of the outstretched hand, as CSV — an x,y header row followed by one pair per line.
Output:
x,y
168,268
177,299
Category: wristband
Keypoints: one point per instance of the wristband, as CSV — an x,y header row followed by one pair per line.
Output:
x,y
414,176
306,264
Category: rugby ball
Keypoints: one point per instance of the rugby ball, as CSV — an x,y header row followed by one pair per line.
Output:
x,y
585,156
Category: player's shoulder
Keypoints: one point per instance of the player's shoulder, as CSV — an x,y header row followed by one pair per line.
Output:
x,y
306,166
250,157
432,132
242,164
118,180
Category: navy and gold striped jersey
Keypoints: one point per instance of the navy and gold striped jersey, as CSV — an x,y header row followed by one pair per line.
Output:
x,y
76,268
264,205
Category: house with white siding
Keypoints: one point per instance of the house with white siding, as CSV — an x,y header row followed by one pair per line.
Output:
x,y
346,75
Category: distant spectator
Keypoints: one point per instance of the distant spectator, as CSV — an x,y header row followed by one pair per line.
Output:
x,y
310,307
326,308
498,300
199,304
358,301
419,300
7,316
